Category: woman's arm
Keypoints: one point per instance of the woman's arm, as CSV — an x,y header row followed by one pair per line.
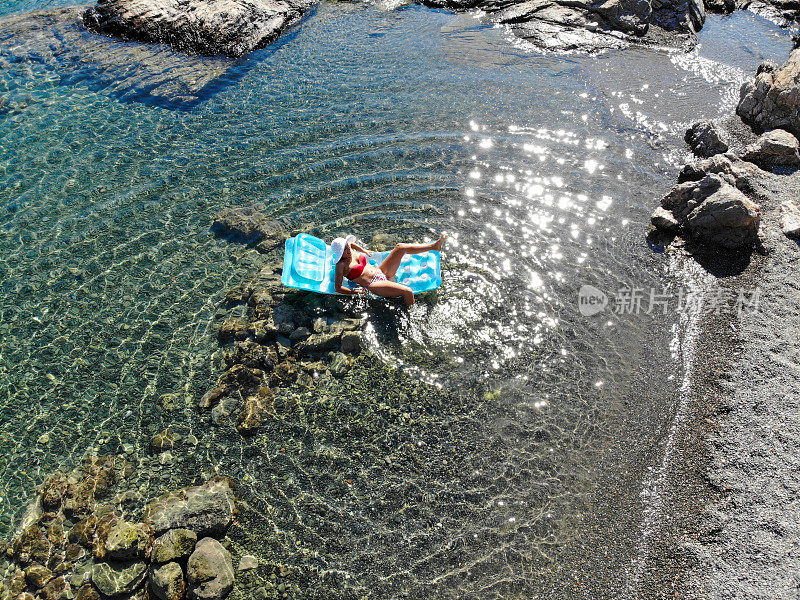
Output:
x,y
360,249
338,280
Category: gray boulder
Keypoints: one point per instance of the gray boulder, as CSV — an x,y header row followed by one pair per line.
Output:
x,y
206,509
208,27
704,139
167,582
772,101
776,148
727,218
114,579
173,545
209,571
712,211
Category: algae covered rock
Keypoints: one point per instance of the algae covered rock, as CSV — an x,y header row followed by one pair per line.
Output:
x,y
210,571
173,545
128,541
167,582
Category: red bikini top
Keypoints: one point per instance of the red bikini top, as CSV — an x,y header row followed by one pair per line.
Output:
x,y
355,272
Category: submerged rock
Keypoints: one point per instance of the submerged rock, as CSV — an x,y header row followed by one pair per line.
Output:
x,y
776,148
772,101
254,410
173,545
704,139
248,225
167,581
206,509
114,579
209,27
209,571
128,541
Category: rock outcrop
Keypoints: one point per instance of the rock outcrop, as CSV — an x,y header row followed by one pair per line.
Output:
x,y
585,24
248,225
772,101
705,140
712,212
207,27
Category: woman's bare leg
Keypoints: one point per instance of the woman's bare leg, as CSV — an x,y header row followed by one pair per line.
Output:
x,y
391,263
392,289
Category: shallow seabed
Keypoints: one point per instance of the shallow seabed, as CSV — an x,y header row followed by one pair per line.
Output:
x,y
493,442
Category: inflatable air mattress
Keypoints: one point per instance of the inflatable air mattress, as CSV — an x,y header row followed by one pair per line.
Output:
x,y
308,265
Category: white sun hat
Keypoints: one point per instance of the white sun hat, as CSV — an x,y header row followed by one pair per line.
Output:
x,y
338,245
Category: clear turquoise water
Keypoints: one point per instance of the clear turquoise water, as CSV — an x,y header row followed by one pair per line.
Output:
x,y
542,168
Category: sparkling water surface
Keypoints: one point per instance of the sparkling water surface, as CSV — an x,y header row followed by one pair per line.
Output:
x,y
495,443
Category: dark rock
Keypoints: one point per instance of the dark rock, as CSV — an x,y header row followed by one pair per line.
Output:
x,y
105,523
209,571
206,509
789,219
128,541
167,581
37,575
52,491
340,365
53,590
351,342
230,27
254,410
114,579
210,398
239,377
704,139
173,545
165,440
87,592
246,224
776,148
83,531
74,552
299,334
771,101
232,329
284,373
263,330
32,546
96,481
664,220
250,354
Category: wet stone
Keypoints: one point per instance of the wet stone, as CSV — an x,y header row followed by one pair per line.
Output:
x,y
173,545
128,541
54,589
210,571
340,365
247,562
351,342
37,575
87,592
210,398
167,582
231,329
221,413
165,440
206,509
118,578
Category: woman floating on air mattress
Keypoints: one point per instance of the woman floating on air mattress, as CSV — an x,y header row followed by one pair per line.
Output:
x,y
351,262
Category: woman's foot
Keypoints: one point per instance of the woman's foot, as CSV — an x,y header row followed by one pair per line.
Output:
x,y
440,242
